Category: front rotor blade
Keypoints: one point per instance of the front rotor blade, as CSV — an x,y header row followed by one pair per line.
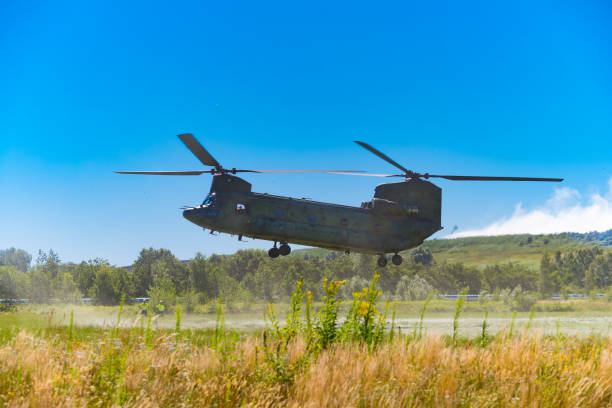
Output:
x,y
383,156
347,173
198,150
486,178
166,173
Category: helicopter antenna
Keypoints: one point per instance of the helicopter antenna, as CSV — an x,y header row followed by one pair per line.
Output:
x,y
206,158
409,174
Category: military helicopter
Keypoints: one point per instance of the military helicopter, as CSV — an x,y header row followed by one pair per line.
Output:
x,y
400,216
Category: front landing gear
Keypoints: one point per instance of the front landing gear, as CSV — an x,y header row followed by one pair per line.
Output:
x,y
382,261
283,250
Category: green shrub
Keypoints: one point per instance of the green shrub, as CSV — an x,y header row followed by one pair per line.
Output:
x,y
415,288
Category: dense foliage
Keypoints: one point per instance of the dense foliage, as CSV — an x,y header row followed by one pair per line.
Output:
x,y
17,258
600,238
251,275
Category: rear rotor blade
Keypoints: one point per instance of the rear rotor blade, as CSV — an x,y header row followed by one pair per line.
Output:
x,y
456,178
383,156
487,178
198,150
307,171
166,173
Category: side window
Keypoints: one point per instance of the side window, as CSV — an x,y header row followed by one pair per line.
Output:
x,y
241,208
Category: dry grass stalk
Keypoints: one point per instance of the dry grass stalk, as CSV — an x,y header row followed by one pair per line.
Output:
x,y
520,371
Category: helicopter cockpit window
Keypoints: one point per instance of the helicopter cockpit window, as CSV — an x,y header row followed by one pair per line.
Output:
x,y
241,208
209,200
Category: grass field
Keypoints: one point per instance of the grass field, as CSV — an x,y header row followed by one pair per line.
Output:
x,y
577,316
60,366
360,352
73,356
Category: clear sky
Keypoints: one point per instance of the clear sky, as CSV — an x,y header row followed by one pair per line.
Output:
x,y
462,87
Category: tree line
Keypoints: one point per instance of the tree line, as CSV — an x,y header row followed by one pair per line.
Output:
x,y
250,275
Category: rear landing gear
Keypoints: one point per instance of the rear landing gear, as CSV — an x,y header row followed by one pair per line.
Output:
x,y
283,250
273,252
382,261
397,259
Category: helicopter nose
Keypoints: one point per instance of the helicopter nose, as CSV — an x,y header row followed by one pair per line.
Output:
x,y
204,217
190,214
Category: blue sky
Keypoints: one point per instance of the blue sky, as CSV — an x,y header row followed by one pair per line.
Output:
x,y
473,87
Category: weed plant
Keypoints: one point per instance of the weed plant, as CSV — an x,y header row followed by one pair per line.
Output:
x,y
458,308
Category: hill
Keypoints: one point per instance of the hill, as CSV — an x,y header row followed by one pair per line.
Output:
x,y
479,251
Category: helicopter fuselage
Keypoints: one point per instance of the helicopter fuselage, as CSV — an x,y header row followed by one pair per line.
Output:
x,y
393,221
400,216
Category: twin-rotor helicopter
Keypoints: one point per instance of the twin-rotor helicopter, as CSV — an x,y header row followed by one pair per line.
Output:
x,y
400,216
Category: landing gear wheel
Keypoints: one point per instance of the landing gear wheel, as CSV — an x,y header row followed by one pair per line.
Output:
x,y
397,259
284,249
382,261
273,252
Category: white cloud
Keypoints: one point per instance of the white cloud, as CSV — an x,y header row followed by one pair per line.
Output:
x,y
564,212
564,197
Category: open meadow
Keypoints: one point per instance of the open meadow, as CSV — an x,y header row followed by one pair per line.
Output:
x,y
363,353
507,321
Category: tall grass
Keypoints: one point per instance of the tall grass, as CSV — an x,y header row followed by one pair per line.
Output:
x,y
512,323
70,330
483,335
530,320
314,359
422,317
219,334
521,371
458,309
177,317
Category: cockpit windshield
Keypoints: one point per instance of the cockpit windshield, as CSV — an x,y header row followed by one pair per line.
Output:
x,y
209,200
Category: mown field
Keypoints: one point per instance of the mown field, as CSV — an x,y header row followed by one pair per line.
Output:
x,y
306,354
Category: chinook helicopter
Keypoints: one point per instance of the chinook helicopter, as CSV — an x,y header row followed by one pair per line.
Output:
x,y
400,216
